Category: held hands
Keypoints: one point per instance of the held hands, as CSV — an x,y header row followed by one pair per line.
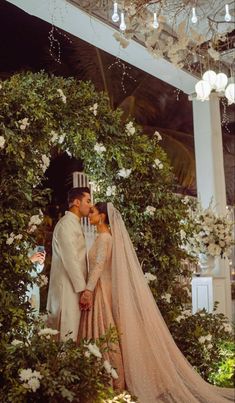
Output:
x,y
86,300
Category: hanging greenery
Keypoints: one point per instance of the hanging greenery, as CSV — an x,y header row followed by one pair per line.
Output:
x,y
41,113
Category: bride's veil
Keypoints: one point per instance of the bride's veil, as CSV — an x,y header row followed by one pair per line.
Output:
x,y
155,369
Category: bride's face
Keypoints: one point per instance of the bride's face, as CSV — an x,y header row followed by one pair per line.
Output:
x,y
94,216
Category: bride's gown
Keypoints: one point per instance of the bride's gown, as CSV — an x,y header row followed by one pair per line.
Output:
x,y
155,370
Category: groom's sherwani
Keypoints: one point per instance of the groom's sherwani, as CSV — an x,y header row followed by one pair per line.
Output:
x,y
68,276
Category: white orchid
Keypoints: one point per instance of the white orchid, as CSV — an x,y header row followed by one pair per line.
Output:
x,y
61,138
157,164
17,342
45,162
149,277
54,136
111,191
94,108
24,123
107,366
2,142
47,332
130,129
62,96
157,134
42,280
150,210
94,349
114,374
124,173
167,297
99,148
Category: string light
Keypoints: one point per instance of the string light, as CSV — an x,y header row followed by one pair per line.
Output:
x,y
122,25
125,74
55,47
115,16
155,21
227,16
194,16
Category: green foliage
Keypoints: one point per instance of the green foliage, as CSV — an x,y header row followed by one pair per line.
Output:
x,y
65,372
224,373
200,337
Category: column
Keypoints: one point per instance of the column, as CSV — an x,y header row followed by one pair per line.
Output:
x,y
211,185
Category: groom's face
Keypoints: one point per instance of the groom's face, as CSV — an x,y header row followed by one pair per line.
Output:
x,y
85,205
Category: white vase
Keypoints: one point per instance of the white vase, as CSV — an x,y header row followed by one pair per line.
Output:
x,y
206,263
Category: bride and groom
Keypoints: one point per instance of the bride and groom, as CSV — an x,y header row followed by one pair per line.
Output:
x,y
115,292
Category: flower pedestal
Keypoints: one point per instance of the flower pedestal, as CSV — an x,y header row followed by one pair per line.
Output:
x,y
207,264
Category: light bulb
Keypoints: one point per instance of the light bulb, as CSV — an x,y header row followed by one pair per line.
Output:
x,y
194,17
230,93
155,21
115,16
122,25
227,16
221,82
203,90
210,76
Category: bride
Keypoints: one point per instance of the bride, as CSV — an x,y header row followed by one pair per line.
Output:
x,y
147,359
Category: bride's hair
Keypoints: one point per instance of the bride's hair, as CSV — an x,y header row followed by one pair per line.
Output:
x,y
102,207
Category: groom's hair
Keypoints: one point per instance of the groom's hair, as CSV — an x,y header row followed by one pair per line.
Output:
x,y
77,193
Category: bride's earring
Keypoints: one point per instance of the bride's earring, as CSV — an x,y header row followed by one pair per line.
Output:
x,y
100,221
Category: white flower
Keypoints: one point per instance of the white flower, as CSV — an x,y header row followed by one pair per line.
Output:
x,y
150,210
107,366
167,297
99,148
157,134
61,138
62,96
94,109
209,346
54,136
87,354
227,327
47,332
45,162
182,234
24,123
10,240
16,342
157,164
114,374
94,350
68,153
34,384
42,280
179,318
149,277
124,173
26,374
111,191
36,219
130,129
214,249
19,236
32,229
2,142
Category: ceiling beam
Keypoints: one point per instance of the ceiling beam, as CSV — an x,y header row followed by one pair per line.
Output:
x,y
71,19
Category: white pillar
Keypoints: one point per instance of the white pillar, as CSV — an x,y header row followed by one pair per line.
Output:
x,y
211,180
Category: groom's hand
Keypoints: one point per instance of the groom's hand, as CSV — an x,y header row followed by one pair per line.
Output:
x,y
86,300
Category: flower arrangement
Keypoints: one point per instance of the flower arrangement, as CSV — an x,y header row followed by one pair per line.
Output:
x,y
210,233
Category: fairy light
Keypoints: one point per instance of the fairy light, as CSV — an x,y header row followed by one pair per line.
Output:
x,y
55,46
125,74
194,16
115,16
122,25
227,16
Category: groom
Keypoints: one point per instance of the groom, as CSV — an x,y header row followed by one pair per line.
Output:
x,y
69,266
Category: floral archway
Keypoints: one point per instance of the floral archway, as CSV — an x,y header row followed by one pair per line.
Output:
x,y
41,113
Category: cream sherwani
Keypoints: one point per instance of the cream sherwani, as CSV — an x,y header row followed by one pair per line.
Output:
x,y
68,276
